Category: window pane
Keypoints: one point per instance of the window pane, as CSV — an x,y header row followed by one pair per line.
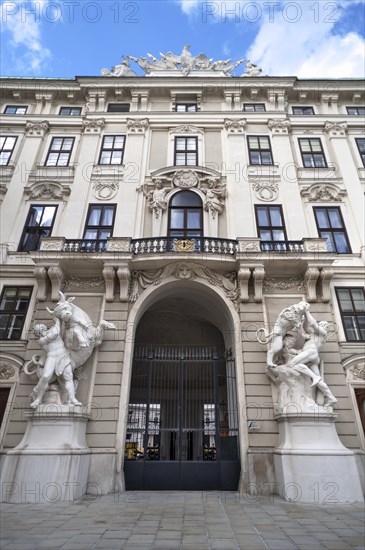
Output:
x,y
361,323
107,217
308,161
177,219
63,159
180,144
119,142
4,320
116,157
263,216
191,159
180,159
264,143
304,145
56,144
186,198
335,218
180,108
358,297
255,157
10,142
104,233
345,299
67,144
193,219
48,215
319,161
108,142
321,218
94,215
278,235
105,157
341,243
266,158
361,145
91,234
191,144
316,145
253,142
329,244
265,235
249,108
275,216
35,216
350,325
52,159
191,108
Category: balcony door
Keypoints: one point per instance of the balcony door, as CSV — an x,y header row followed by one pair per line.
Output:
x,y
185,216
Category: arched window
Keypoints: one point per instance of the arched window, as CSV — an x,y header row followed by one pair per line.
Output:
x,y
185,215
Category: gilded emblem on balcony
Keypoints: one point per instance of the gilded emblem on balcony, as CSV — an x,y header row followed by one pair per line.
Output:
x,y
184,245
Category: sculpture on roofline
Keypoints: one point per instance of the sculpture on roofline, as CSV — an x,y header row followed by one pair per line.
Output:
x,y
252,69
184,63
293,361
67,346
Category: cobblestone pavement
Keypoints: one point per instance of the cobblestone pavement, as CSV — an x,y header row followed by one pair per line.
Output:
x,y
179,520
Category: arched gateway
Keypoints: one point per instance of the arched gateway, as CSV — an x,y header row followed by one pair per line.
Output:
x,y
181,429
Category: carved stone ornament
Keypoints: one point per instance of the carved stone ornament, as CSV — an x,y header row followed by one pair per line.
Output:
x,y
357,371
185,179
36,128
121,70
48,190
336,129
93,126
105,190
85,283
118,244
266,190
137,126
3,191
323,192
282,126
283,284
67,345
213,196
293,362
7,371
186,129
141,280
182,64
235,126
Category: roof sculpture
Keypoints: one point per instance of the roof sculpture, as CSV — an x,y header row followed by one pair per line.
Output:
x,y
182,65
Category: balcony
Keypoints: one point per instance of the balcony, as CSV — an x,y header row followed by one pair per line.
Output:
x,y
206,245
85,245
282,246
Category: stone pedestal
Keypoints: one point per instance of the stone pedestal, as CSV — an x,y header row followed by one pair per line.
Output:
x,y
51,463
311,464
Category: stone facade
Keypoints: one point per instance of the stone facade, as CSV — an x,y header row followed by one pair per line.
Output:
x,y
306,164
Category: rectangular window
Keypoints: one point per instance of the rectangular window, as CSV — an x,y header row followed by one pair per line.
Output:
x,y
359,111
361,147
186,151
14,305
15,110
303,111
254,107
99,223
351,302
331,227
60,151
270,223
39,224
259,150
312,153
112,150
118,107
70,111
186,107
7,144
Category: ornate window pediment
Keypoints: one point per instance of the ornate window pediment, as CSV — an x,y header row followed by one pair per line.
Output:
x,y
47,190
186,129
323,192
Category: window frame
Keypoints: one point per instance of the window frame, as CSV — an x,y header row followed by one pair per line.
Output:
x,y
79,109
355,109
99,227
102,149
59,152
186,151
302,108
332,230
312,153
186,105
353,313
362,154
28,227
11,151
270,227
13,312
16,107
118,105
254,110
185,228
259,150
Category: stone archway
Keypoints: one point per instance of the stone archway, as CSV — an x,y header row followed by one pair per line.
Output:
x,y
216,311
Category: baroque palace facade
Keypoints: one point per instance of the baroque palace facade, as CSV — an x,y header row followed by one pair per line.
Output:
x,y
187,208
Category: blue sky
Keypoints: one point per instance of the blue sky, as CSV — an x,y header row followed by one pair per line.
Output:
x,y
306,38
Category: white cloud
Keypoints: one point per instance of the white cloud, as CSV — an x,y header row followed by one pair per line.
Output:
x,y
293,37
22,20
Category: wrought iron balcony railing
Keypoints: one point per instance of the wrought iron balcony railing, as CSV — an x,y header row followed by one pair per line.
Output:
x,y
281,246
174,244
85,245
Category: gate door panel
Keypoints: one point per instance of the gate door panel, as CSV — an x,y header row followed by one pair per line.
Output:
x,y
182,430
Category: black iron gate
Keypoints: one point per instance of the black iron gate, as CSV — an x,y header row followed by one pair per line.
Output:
x,y
182,430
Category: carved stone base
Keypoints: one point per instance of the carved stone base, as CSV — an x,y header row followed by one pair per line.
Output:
x,y
311,464
51,463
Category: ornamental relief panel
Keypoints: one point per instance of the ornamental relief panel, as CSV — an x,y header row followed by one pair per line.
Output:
x,y
266,191
105,190
323,192
47,190
141,280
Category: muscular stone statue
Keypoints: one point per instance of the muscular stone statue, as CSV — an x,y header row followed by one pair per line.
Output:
x,y
291,318
67,346
156,199
212,202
